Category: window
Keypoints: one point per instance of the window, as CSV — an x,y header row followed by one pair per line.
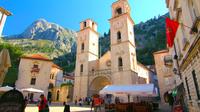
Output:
x,y
81,68
196,84
186,81
120,64
118,36
119,11
35,66
93,25
82,46
33,81
85,24
52,77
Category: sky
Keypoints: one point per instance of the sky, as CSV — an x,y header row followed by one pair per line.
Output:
x,y
69,13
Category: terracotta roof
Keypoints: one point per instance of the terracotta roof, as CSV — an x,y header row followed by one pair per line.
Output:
x,y
145,67
5,11
56,66
162,51
37,57
68,77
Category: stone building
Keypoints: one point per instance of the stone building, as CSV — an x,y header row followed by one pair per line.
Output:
x,y
39,72
118,66
186,49
165,75
3,15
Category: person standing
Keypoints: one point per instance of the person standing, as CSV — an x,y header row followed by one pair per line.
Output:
x,y
43,104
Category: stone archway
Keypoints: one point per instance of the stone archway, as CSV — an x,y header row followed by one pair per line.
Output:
x,y
97,84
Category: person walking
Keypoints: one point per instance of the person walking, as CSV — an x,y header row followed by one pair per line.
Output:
x,y
66,107
80,101
43,104
97,103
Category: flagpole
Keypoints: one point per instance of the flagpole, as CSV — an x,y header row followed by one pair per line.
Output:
x,y
177,63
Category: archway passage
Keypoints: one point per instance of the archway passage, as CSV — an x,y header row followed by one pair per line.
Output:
x,y
97,84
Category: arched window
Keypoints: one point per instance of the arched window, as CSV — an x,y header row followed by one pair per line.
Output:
x,y
120,64
82,47
119,36
85,24
81,69
93,25
118,11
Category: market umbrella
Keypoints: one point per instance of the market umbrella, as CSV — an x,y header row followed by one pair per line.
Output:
x,y
32,90
5,88
5,63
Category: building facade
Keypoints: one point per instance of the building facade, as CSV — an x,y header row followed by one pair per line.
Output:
x,y
39,72
165,75
186,49
118,66
3,15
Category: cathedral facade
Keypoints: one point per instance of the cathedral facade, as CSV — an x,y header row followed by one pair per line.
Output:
x,y
118,66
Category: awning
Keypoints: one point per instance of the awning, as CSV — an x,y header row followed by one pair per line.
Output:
x,y
145,90
32,90
5,88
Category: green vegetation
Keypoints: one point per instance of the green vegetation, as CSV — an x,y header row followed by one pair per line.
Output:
x,y
15,53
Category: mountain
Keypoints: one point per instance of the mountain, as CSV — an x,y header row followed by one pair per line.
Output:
x,y
44,37
150,37
59,43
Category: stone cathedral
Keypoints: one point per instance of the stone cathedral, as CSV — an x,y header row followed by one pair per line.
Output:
x,y
118,66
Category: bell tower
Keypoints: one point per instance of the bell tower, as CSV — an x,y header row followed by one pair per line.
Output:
x,y
123,49
87,50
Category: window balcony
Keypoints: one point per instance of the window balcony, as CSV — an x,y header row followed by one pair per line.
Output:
x,y
119,40
168,61
81,73
35,70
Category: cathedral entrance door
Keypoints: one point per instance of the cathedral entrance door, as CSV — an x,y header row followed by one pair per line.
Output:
x,y
97,84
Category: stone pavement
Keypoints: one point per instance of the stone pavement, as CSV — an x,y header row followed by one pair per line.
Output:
x,y
58,109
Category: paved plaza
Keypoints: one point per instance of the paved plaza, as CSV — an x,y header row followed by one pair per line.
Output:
x,y
58,109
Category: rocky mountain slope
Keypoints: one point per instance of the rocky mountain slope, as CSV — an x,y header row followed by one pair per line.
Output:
x,y
44,37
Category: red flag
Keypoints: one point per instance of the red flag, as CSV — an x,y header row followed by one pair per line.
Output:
x,y
171,29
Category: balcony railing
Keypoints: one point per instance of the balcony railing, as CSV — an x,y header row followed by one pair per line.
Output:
x,y
100,72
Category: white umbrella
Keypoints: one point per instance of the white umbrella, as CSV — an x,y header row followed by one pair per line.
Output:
x,y
134,90
5,88
33,90
5,63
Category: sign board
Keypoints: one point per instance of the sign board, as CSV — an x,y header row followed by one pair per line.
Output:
x,y
12,101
